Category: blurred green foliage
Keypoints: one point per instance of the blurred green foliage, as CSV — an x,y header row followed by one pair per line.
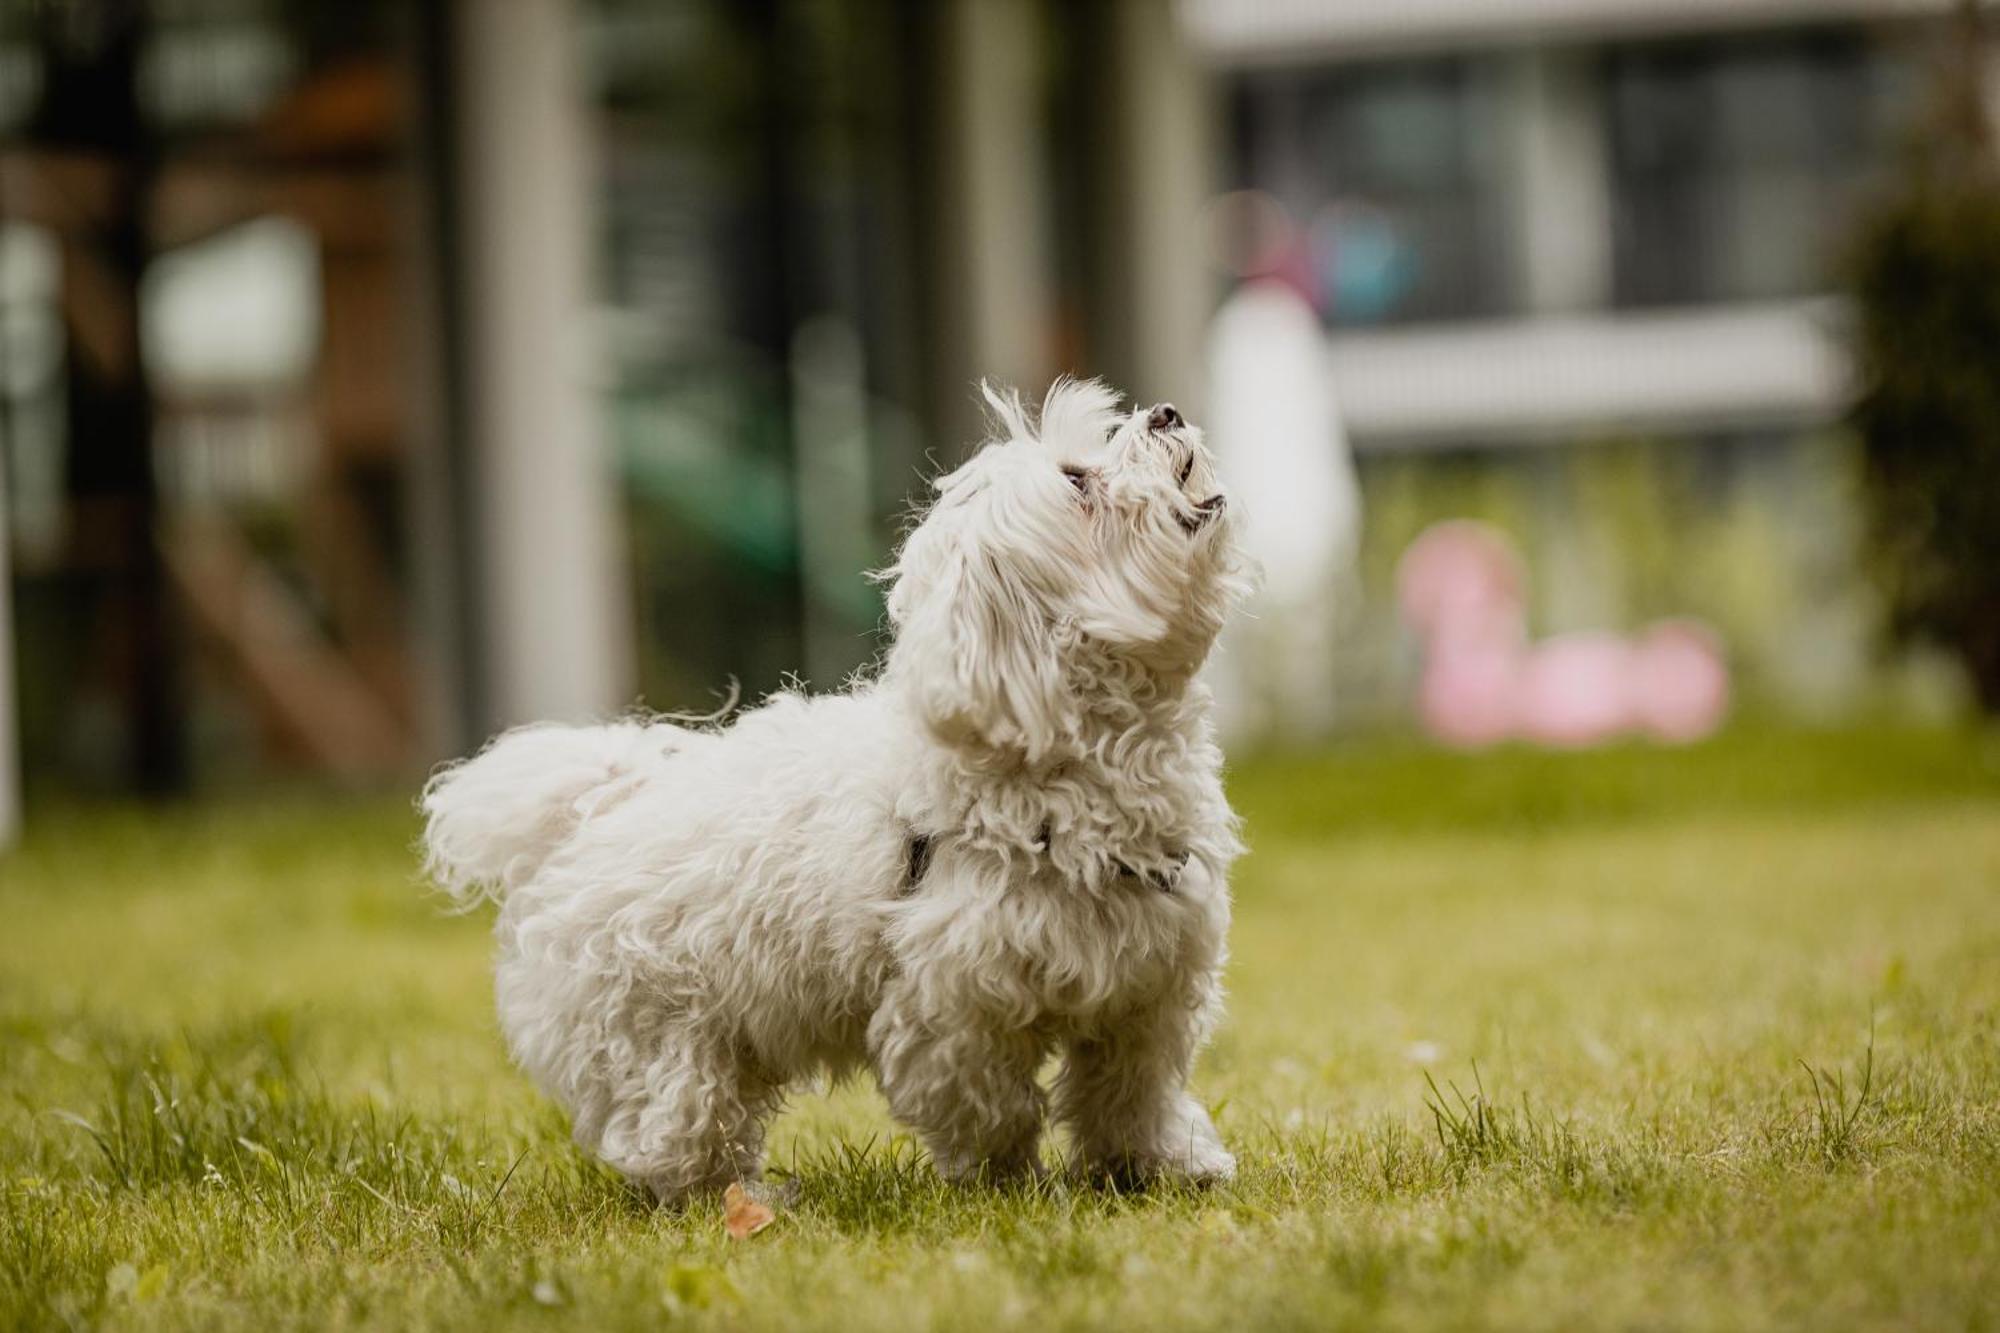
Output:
x,y
1926,275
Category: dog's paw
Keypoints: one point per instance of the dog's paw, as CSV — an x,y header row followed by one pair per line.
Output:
x,y
1201,1163
1009,1171
1200,1156
1205,1163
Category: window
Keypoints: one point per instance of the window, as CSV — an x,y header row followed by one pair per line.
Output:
x,y
1737,163
1391,176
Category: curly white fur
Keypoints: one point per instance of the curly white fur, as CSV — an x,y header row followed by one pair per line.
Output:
x,y
1013,840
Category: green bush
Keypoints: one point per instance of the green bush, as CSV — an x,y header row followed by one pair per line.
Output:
x,y
1926,275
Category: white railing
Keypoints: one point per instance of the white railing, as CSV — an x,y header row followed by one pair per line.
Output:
x,y
1564,378
1287,31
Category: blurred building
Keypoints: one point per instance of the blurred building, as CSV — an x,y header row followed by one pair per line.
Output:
x,y
1575,260
377,372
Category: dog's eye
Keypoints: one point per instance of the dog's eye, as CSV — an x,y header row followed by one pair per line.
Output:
x,y
1079,477
1187,470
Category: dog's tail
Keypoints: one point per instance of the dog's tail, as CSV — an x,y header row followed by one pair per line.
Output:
x,y
492,820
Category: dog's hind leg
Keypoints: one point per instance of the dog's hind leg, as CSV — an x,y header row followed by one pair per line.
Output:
x,y
689,1121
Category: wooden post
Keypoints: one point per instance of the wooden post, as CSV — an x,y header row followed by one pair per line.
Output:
x,y
90,105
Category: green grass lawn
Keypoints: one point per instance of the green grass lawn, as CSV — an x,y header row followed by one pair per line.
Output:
x,y
1703,1038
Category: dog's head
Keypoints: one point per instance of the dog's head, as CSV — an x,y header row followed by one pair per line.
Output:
x,y
1088,551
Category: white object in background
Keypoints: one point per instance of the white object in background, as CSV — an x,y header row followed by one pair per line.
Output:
x,y
552,562
1277,436
29,268
10,770
240,310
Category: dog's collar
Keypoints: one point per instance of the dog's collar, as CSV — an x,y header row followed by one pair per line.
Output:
x,y
1166,881
917,864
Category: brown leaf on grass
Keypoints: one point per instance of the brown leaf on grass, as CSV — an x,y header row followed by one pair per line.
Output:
x,y
742,1216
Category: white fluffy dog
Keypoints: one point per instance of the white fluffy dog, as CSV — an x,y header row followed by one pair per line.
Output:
x,y
1012,840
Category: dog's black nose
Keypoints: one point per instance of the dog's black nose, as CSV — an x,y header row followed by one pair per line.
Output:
x,y
1163,417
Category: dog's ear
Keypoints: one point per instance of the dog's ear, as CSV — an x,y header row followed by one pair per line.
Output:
x,y
975,647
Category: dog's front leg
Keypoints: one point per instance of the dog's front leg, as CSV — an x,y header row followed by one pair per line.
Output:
x,y
1123,1094
967,1088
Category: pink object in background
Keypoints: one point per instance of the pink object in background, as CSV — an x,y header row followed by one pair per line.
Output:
x,y
1463,587
1681,684
1460,584
1576,690
1458,574
1467,698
